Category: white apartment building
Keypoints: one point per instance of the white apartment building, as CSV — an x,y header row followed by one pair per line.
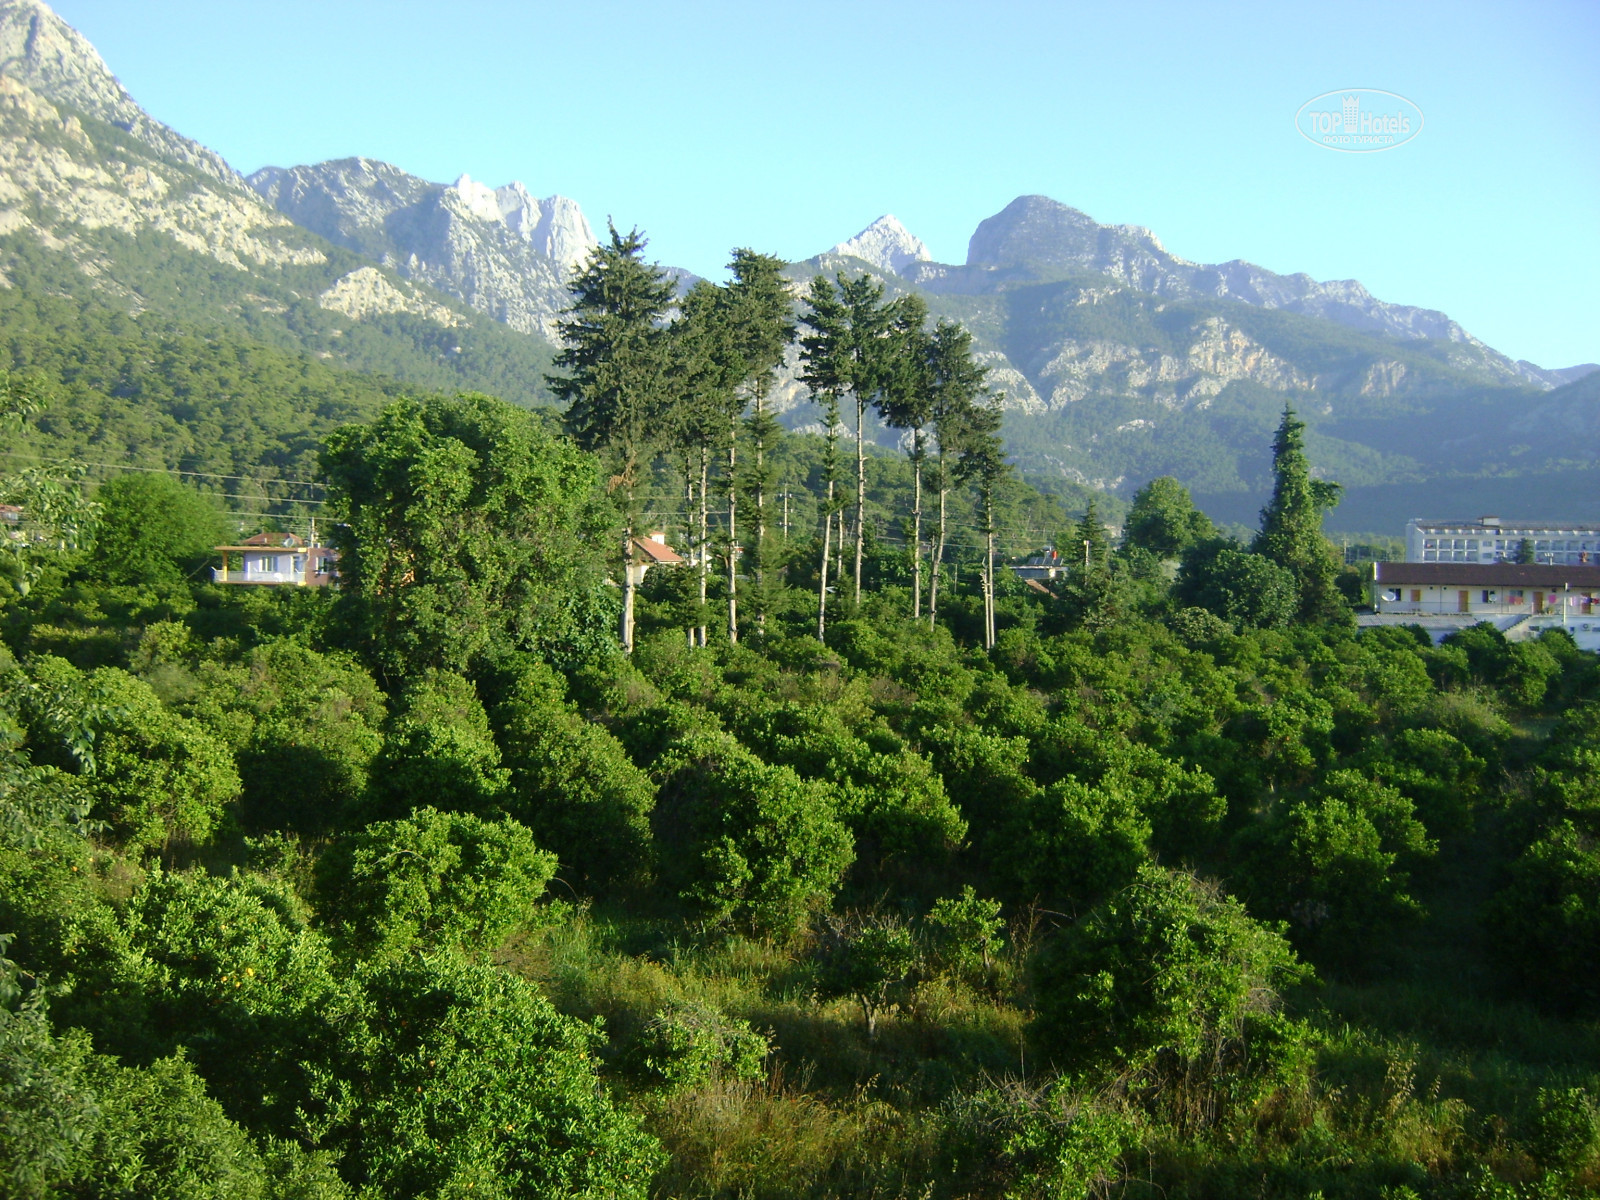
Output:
x,y
1491,540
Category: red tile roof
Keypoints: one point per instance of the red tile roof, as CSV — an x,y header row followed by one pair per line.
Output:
x,y
1487,574
654,551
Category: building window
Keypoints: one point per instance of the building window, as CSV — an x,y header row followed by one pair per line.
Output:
x,y
1488,596
1515,596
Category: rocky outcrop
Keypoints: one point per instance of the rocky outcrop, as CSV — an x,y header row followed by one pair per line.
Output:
x,y
1037,236
57,184
500,250
46,55
366,293
887,245
1217,355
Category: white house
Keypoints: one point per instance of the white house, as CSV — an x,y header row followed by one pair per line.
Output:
x,y
277,559
1491,539
1486,590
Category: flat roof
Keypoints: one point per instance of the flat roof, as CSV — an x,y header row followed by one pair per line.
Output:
x,y
1487,574
1506,523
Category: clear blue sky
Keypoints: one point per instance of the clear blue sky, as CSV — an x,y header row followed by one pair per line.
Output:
x,y
788,127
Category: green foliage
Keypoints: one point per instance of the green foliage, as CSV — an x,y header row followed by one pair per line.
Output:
x,y
454,1078
1079,842
59,523
1247,590
230,968
1291,523
470,535
159,777
745,841
1049,1141
572,782
1171,979
687,1045
1337,865
438,750
1565,1128
1164,520
435,881
965,934
152,531
1546,923
74,1123
306,725
868,957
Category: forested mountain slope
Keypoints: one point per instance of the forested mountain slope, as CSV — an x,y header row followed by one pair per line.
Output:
x,y
102,204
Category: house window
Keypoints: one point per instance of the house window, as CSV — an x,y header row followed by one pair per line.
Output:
x,y
1515,596
1430,556
1488,596
267,564
325,566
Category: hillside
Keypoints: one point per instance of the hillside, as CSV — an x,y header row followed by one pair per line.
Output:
x,y
104,205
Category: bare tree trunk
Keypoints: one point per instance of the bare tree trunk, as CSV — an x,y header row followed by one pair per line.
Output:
x,y
761,513
733,533
627,580
916,534
838,553
861,490
705,534
822,586
988,573
938,552
688,520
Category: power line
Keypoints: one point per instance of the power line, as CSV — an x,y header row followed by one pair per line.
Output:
x,y
170,471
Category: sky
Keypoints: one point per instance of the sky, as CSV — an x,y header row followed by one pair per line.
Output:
x,y
790,127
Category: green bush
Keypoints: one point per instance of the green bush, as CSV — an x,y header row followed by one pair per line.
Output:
x,y
747,842
687,1044
437,751
454,1079
434,881
573,783
1171,980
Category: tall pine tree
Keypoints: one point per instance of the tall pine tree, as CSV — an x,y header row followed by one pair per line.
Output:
x,y
618,389
1291,523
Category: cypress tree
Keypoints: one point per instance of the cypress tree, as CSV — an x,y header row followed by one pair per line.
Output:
x,y
1291,523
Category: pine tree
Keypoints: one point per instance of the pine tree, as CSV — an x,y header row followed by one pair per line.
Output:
x,y
619,392
956,383
761,327
1291,523
983,464
850,351
906,402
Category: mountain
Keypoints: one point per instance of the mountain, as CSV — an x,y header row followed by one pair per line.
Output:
x,y
498,250
107,206
887,245
1120,361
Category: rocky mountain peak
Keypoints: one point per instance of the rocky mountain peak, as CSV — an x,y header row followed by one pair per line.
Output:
x,y
43,53
554,227
887,245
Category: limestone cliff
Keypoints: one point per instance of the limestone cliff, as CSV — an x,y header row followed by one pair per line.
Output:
x,y
500,250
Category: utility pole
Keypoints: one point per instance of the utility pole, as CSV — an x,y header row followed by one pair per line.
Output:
x,y
786,518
